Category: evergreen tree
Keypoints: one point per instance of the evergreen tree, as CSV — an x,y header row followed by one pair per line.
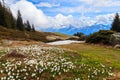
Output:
x,y
79,34
28,26
19,23
13,21
9,19
6,18
33,28
2,15
116,23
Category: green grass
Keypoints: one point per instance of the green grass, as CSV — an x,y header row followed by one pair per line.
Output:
x,y
87,68
103,54
107,56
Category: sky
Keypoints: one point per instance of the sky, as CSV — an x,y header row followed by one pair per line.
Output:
x,y
60,14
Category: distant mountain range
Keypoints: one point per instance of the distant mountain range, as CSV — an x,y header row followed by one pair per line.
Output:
x,y
86,30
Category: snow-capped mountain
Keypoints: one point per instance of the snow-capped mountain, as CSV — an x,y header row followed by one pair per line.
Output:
x,y
86,30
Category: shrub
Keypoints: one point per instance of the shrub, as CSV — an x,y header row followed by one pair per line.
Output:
x,y
102,36
81,36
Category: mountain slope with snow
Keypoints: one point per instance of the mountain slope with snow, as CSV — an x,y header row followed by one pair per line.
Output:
x,y
86,30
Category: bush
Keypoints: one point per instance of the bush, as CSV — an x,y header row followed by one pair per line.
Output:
x,y
102,36
81,36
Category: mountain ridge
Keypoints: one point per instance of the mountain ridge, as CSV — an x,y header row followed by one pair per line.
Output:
x,y
70,30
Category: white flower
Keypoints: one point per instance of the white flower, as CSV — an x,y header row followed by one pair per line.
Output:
x,y
1,71
40,70
33,74
32,62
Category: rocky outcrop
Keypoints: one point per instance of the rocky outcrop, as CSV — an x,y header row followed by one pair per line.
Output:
x,y
115,39
117,46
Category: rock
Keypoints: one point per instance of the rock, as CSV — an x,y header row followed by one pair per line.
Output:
x,y
115,39
117,46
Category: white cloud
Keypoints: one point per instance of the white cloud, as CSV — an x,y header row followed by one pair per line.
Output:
x,y
30,12
88,1
37,17
101,3
107,3
9,2
46,4
42,21
90,6
104,19
70,10
60,21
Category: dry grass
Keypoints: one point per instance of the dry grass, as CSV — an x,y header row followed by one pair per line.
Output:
x,y
24,35
23,43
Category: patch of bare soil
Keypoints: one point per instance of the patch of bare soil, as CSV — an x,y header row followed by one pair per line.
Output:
x,y
15,54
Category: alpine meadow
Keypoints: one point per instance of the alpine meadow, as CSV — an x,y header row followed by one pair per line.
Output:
x,y
59,40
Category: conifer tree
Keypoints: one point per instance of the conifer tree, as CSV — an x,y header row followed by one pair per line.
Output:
x,y
116,23
19,23
13,21
28,26
33,28
6,18
9,19
2,15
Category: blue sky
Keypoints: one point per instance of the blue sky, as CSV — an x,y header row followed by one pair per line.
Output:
x,y
78,8
60,14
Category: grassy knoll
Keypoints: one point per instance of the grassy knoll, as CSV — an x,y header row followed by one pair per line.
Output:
x,y
11,34
98,53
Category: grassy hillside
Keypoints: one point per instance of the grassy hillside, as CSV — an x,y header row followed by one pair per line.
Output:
x,y
104,54
37,36
20,35
60,36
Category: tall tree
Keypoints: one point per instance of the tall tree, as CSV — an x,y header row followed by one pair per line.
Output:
x,y
19,23
12,21
9,19
2,15
116,23
33,28
6,18
28,26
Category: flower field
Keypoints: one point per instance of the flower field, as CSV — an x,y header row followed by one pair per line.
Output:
x,y
34,62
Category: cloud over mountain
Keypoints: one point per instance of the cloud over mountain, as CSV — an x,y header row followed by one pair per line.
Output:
x,y
39,17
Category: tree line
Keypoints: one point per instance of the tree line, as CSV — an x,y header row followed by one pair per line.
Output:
x,y
8,21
